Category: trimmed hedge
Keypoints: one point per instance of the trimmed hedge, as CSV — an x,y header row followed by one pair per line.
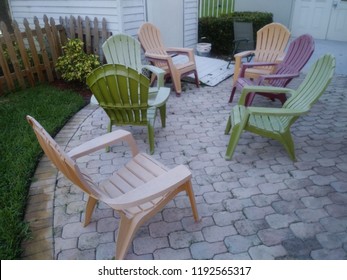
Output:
x,y
219,31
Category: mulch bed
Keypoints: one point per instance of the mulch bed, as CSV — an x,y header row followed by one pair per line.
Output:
x,y
79,88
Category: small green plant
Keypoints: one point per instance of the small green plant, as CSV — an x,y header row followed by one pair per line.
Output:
x,y
75,64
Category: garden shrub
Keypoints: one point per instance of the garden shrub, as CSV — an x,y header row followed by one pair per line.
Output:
x,y
219,31
75,64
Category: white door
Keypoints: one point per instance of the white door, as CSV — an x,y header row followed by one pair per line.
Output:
x,y
311,16
338,21
323,19
167,15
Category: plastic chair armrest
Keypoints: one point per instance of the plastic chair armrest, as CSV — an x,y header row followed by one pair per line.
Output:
x,y
160,98
248,89
243,54
179,50
160,73
254,64
276,111
155,56
105,141
279,76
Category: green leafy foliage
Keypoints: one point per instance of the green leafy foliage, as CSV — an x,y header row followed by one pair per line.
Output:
x,y
75,64
219,30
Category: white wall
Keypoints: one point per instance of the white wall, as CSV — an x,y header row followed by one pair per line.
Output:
x,y
110,10
123,16
167,16
281,9
191,19
177,21
133,15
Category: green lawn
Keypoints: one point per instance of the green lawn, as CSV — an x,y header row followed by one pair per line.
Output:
x,y
20,152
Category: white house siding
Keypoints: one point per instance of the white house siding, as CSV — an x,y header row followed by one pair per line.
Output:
x,y
123,16
133,15
281,9
109,10
191,18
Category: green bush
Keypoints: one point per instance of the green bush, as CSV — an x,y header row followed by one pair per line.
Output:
x,y
219,31
75,64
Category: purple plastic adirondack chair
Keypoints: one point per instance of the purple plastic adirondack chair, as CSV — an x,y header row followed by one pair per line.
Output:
x,y
299,52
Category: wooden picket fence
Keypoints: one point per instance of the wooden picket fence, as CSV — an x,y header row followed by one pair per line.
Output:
x,y
29,56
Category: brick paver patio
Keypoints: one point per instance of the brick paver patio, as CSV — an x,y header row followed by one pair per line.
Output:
x,y
260,205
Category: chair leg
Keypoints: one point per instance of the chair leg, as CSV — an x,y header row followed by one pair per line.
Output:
x,y
288,144
234,139
190,193
176,80
282,98
109,129
89,209
228,126
126,230
162,111
151,138
232,94
236,132
196,78
249,99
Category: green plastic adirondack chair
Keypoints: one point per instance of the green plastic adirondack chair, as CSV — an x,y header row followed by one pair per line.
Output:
x,y
275,123
124,49
124,95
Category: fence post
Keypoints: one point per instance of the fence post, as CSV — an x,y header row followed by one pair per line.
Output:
x,y
33,50
3,62
88,44
23,53
96,36
13,57
50,39
43,49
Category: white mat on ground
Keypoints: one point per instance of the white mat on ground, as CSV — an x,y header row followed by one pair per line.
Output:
x,y
211,71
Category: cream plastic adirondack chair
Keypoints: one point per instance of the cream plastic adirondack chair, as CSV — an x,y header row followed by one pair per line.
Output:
x,y
271,42
124,49
136,191
160,56
275,123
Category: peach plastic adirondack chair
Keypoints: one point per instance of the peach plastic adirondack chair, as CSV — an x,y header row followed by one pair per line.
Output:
x,y
271,42
125,96
160,56
136,191
275,123
299,52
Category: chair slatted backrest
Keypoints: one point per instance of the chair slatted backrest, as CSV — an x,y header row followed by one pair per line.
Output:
x,y
313,86
150,38
272,40
122,92
299,52
123,49
151,41
60,159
